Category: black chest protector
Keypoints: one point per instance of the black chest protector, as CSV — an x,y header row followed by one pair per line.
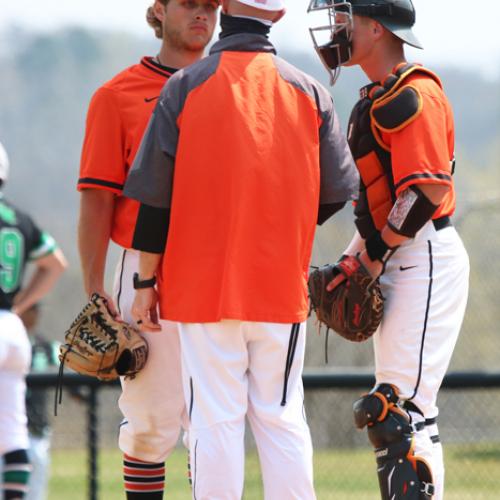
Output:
x,y
382,108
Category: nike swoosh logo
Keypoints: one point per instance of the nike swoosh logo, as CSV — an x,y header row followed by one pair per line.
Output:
x,y
401,268
151,99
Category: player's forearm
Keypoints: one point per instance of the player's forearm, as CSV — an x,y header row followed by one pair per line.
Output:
x,y
356,245
94,232
48,271
93,263
39,285
151,229
148,264
435,193
413,209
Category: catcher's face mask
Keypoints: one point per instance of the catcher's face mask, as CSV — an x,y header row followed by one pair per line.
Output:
x,y
333,40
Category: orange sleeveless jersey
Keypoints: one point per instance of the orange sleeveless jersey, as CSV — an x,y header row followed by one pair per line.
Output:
x,y
117,117
423,151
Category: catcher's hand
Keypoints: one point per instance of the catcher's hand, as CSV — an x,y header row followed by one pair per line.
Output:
x,y
99,345
355,306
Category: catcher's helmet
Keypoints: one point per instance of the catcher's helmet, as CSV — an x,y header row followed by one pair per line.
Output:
x,y
397,16
4,164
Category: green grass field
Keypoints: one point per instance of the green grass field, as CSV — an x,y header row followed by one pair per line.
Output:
x,y
473,473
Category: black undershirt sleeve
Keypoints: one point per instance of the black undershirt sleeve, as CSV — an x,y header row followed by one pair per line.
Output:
x,y
327,210
151,229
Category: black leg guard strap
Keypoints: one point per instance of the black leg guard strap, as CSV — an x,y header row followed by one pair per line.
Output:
x,y
374,406
402,475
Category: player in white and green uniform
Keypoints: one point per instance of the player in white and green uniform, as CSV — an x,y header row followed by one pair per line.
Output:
x,y
21,241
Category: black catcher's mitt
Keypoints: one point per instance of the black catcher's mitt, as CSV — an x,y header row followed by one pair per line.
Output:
x,y
98,345
354,308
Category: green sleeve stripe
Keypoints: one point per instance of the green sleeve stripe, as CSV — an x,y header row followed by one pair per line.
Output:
x,y
47,246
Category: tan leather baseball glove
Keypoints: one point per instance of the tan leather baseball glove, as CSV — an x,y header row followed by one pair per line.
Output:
x,y
98,345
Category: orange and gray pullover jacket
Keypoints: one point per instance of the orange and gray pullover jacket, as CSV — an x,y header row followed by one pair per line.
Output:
x,y
241,152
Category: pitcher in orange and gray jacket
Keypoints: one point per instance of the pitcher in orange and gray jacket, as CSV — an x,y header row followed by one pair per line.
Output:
x,y
243,157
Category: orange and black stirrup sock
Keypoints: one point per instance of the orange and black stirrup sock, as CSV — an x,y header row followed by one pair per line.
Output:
x,y
143,480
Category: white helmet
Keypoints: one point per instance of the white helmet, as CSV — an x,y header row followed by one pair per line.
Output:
x,y
4,164
273,5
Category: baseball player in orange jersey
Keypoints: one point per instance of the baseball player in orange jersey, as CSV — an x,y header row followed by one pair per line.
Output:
x,y
246,156
21,242
401,134
152,403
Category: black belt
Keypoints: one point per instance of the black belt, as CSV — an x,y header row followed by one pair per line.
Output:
x,y
442,222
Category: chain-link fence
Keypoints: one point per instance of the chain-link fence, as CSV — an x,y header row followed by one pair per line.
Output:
x,y
469,419
87,465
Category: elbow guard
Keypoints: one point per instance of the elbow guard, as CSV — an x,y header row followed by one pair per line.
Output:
x,y
411,212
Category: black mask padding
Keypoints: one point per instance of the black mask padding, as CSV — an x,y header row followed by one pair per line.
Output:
x,y
338,51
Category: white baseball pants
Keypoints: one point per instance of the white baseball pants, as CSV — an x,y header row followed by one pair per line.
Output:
x,y
425,285
152,403
15,359
234,369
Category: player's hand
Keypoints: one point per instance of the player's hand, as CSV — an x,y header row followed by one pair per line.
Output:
x,y
338,275
19,304
110,302
374,267
144,310
335,282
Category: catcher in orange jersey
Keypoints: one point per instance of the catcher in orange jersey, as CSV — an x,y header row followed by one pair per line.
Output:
x,y
401,134
152,403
